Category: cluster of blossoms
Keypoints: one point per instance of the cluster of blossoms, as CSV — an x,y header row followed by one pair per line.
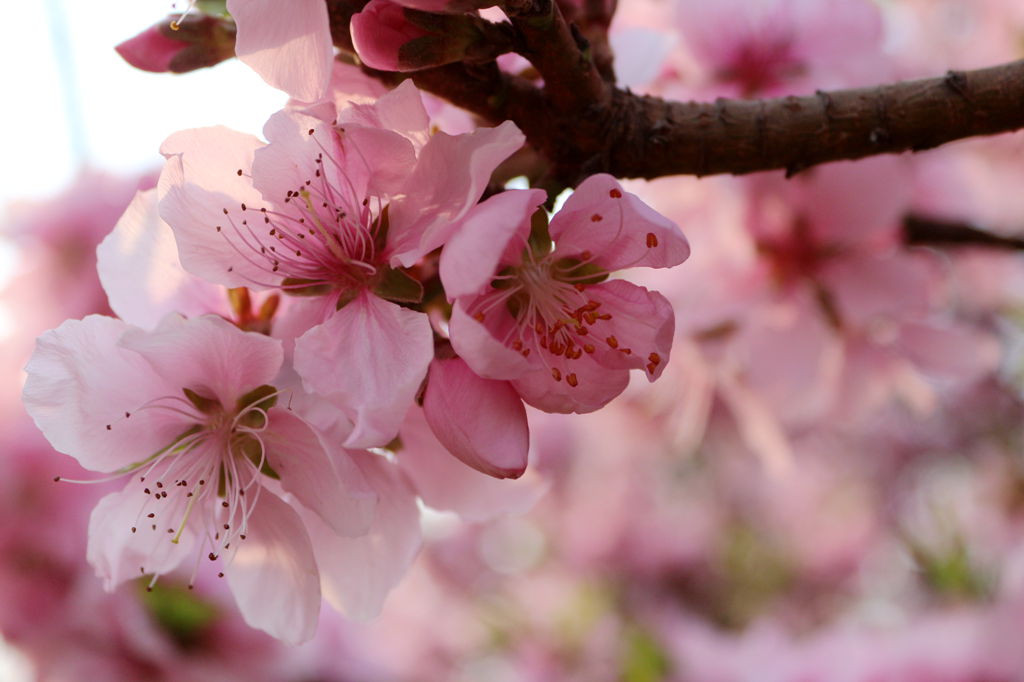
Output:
x,y
324,283
296,344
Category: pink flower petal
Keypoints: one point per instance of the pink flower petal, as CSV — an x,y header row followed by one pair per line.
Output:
x,y
595,386
482,422
118,554
139,269
208,355
80,380
642,324
358,573
369,359
324,481
449,178
482,352
619,229
199,181
445,483
273,573
288,44
470,259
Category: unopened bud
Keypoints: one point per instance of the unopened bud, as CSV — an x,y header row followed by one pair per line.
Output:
x,y
390,37
180,44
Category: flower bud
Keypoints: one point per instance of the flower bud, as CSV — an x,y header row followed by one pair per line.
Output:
x,y
390,37
180,44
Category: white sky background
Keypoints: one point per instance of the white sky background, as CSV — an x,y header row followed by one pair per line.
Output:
x,y
114,117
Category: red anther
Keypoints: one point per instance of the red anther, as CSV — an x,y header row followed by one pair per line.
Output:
x,y
604,316
558,325
654,358
652,240
589,348
579,287
626,351
479,317
612,342
596,218
590,317
572,380
517,345
538,327
557,348
581,330
526,352
556,374
591,305
615,194
543,342
651,367
586,255
576,353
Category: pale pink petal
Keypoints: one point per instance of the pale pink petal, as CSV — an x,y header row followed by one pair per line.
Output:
x,y
323,479
400,110
369,359
208,355
470,259
758,424
640,54
288,44
482,422
358,573
642,325
595,385
445,483
352,161
617,228
950,352
81,383
867,287
482,352
451,174
123,544
139,269
199,182
273,573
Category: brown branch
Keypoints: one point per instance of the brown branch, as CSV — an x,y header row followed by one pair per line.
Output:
x,y
921,230
583,125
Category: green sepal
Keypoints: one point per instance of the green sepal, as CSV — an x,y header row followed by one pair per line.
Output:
x,y
540,239
180,613
250,447
396,285
580,272
201,403
346,297
296,286
262,397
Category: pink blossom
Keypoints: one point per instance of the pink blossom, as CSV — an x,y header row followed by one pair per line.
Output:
x,y
782,46
329,214
187,411
547,319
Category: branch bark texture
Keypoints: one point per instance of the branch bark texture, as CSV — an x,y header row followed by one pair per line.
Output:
x,y
582,124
